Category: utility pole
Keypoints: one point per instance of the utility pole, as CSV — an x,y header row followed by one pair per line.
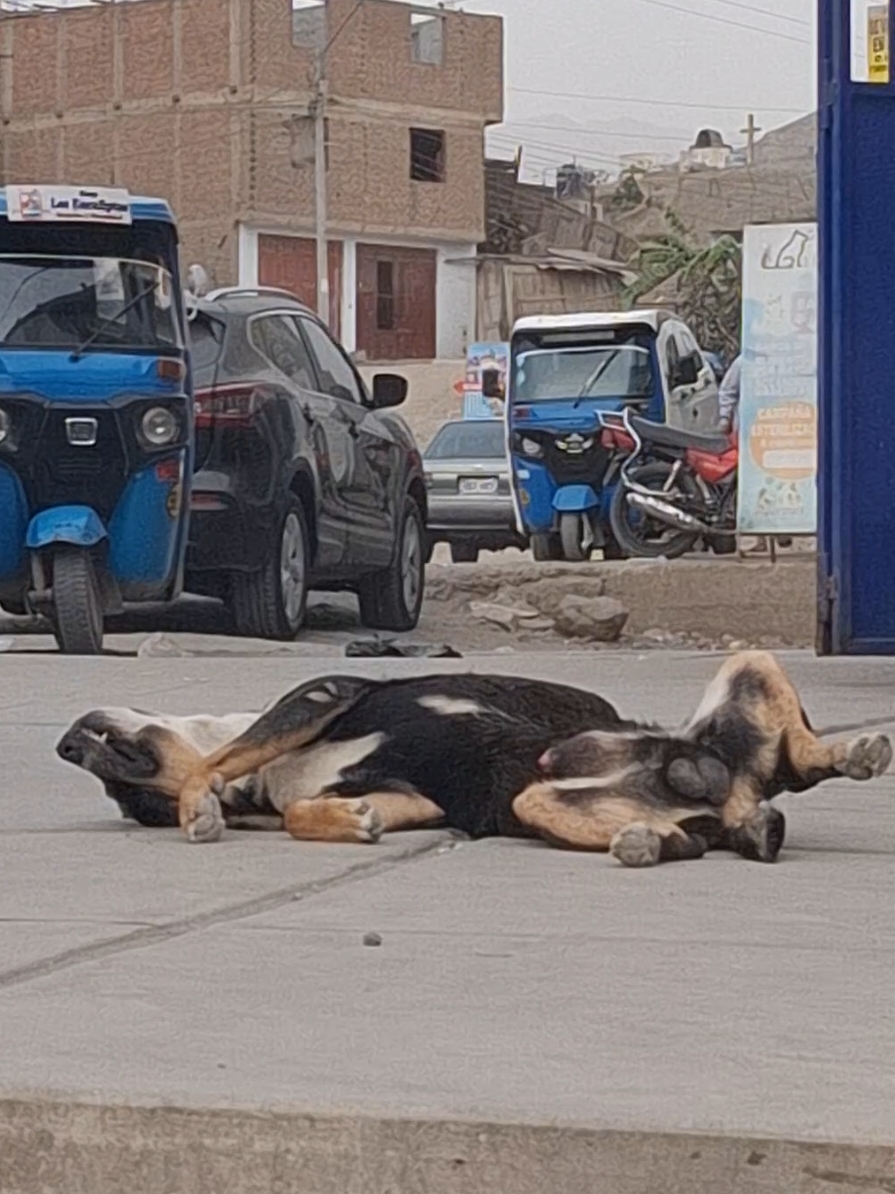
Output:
x,y
750,132
319,109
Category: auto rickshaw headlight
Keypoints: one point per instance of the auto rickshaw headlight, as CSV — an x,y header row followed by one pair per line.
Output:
x,y
531,447
159,427
5,425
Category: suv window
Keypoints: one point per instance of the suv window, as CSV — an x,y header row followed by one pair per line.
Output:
x,y
277,338
337,378
206,339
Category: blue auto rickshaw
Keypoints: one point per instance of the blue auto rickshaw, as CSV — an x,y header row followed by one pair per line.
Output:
x,y
564,370
96,407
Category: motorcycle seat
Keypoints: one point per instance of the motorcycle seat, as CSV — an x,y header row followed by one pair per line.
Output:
x,y
676,437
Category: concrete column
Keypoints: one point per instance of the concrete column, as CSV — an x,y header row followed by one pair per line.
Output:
x,y
348,314
247,267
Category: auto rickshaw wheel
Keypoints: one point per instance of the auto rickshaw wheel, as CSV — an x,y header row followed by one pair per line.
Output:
x,y
573,533
545,547
77,608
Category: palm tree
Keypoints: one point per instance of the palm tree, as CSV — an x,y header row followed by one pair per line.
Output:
x,y
706,284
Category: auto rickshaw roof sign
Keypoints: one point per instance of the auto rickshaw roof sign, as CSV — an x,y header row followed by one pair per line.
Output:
x,y
43,204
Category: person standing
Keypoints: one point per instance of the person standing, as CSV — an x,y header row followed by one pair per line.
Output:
x,y
729,396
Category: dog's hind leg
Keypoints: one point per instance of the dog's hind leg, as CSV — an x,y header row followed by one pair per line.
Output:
x,y
757,683
334,818
592,817
294,722
752,709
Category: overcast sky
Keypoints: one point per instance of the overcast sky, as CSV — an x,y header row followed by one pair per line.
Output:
x,y
690,63
591,79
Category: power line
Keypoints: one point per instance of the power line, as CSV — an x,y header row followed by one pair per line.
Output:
x,y
707,16
655,103
676,137
765,12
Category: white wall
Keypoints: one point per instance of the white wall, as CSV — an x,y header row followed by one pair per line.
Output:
x,y
455,295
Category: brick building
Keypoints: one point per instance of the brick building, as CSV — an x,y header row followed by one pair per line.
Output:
x,y
206,102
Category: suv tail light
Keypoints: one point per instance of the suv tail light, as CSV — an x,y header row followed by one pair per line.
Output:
x,y
228,406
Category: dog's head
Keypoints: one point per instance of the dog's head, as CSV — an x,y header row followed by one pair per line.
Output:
x,y
115,745
141,758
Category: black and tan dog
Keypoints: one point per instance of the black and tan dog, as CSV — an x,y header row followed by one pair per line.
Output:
x,y
345,759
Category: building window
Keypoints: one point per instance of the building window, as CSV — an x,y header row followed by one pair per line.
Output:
x,y
426,38
385,296
427,155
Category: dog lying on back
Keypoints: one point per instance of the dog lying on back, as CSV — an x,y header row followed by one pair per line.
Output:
x,y
345,759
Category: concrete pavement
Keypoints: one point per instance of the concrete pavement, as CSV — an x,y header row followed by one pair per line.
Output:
x,y
179,1018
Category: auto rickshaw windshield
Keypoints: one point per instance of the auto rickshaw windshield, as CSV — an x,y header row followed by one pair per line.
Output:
x,y
567,372
57,302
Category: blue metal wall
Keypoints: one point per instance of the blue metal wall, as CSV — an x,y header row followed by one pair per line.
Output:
x,y
856,475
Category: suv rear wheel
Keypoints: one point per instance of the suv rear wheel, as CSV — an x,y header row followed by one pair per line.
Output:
x,y
271,603
392,599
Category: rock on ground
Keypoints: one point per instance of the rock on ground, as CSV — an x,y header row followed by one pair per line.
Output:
x,y
600,619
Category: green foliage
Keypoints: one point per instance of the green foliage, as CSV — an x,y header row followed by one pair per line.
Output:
x,y
707,281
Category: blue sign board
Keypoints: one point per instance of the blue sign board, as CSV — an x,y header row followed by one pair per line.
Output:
x,y
856,354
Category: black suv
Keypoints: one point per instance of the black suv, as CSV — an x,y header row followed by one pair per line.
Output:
x,y
304,480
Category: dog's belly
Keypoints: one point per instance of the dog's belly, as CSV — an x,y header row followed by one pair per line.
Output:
x,y
468,743
302,775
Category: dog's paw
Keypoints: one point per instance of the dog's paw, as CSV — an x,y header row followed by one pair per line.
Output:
x,y
362,820
334,819
205,821
636,846
761,838
867,757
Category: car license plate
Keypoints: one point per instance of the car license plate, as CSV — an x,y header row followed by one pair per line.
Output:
x,y
478,485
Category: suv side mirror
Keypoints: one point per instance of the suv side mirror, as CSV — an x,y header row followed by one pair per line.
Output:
x,y
389,389
491,387
686,373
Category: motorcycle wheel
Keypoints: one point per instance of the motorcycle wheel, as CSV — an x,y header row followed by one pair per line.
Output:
x,y
572,529
644,537
77,609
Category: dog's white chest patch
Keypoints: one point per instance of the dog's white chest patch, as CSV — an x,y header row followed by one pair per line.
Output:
x,y
450,707
306,773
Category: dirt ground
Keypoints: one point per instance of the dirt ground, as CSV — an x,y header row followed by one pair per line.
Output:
x,y
706,603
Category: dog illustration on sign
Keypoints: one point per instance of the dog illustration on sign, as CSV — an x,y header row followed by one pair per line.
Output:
x,y
790,255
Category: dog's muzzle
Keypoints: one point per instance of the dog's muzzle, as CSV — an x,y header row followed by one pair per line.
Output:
x,y
105,757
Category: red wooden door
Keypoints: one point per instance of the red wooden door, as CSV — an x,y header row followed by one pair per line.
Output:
x,y
396,306
291,263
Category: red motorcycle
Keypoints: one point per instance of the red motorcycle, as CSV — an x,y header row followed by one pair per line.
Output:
x,y
675,487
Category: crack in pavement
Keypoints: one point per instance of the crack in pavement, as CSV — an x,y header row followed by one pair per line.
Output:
x,y
158,934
